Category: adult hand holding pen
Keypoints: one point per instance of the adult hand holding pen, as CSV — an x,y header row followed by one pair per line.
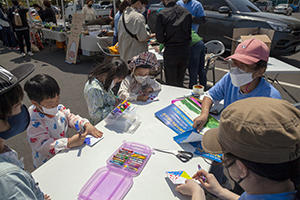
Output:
x,y
212,185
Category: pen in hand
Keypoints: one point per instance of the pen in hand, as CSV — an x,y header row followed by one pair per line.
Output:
x,y
77,128
202,177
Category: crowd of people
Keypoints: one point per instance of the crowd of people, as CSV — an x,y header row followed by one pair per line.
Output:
x,y
258,135
14,28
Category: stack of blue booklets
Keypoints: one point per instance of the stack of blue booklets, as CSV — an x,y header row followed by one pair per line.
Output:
x,y
179,117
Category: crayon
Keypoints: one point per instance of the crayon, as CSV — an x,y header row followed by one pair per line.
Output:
x,y
120,164
114,158
129,167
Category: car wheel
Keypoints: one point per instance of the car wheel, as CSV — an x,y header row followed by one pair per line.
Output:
x,y
290,13
70,19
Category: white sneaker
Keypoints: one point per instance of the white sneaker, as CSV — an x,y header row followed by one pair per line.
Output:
x,y
30,53
23,54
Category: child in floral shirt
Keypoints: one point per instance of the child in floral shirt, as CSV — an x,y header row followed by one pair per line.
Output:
x,y
99,97
49,121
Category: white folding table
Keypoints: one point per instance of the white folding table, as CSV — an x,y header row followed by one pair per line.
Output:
x,y
277,67
65,174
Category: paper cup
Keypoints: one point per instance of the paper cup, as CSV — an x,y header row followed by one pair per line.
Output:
x,y
198,89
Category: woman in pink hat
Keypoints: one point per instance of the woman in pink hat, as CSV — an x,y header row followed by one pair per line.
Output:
x,y
247,66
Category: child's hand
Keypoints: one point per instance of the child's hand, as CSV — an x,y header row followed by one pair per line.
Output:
x,y
148,90
142,98
118,101
76,140
211,183
190,188
47,197
92,130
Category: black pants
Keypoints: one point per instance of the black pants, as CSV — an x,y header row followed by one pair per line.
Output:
x,y
176,61
20,35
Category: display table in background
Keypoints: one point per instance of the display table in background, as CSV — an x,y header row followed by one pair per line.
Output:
x,y
65,174
54,35
88,44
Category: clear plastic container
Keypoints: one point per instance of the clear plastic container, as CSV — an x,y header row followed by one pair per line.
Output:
x,y
127,121
114,181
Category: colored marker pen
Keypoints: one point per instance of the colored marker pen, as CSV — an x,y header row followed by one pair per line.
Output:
x,y
203,177
77,128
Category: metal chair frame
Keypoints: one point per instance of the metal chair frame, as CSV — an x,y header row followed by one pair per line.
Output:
x,y
217,48
107,54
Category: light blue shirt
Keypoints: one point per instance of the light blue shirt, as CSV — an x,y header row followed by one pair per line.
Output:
x,y
279,196
116,22
15,182
224,89
195,8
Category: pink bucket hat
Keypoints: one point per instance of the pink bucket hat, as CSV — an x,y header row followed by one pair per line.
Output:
x,y
251,51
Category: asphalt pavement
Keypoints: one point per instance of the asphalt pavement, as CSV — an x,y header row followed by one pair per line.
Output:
x,y
72,78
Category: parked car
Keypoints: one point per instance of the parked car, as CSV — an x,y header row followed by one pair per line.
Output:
x,y
295,8
225,15
265,6
283,9
107,6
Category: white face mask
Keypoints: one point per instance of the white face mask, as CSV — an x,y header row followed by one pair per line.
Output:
x,y
140,79
141,10
50,111
112,85
239,77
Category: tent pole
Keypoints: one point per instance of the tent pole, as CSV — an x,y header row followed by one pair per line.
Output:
x,y
114,2
62,9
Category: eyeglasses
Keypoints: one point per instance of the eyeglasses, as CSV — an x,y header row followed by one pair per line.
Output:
x,y
227,166
241,67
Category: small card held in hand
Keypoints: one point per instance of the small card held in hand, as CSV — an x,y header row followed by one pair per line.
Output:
x,y
91,140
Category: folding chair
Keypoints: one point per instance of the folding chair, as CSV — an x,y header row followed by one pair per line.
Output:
x,y
106,53
214,49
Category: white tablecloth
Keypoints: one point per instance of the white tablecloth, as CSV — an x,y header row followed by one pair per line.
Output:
x,y
54,35
64,175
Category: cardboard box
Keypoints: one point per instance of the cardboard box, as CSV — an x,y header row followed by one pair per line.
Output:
x,y
263,38
242,34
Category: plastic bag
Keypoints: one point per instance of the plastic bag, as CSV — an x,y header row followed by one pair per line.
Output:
x,y
18,20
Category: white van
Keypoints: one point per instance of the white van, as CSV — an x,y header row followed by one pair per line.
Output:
x,y
76,7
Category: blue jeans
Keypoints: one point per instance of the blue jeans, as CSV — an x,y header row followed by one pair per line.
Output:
x,y
115,40
196,65
9,37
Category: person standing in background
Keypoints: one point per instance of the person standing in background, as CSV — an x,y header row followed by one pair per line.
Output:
x,y
88,11
21,30
8,36
40,11
133,36
197,59
49,14
173,28
121,9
